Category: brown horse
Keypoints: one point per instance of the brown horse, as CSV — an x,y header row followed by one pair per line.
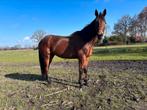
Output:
x,y
78,45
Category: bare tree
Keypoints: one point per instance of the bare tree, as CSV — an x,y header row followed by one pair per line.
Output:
x,y
132,26
139,24
38,35
121,28
133,29
142,20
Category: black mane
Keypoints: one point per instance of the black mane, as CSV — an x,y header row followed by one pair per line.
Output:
x,y
88,32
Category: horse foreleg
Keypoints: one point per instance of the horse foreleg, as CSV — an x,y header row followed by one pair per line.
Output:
x,y
83,63
85,70
80,76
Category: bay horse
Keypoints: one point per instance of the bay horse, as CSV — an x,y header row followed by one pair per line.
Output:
x,y
79,45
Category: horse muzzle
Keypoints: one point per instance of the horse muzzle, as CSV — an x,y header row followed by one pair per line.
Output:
x,y
100,35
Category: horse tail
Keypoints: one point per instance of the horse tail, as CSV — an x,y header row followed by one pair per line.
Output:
x,y
41,58
41,61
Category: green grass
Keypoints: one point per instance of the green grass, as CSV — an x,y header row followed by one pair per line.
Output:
x,y
18,56
127,52
21,56
122,52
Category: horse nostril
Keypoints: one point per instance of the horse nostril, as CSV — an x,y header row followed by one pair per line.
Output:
x,y
101,33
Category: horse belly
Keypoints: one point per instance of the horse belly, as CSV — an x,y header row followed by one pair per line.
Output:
x,y
64,50
66,54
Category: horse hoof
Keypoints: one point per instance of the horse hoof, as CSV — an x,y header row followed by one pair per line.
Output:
x,y
81,83
85,83
49,81
44,77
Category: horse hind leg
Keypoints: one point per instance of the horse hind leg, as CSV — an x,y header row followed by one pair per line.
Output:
x,y
44,64
51,56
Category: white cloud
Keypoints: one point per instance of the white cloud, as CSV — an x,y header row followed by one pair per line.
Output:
x,y
26,38
25,42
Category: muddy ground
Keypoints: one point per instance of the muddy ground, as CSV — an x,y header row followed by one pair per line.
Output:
x,y
115,66
113,85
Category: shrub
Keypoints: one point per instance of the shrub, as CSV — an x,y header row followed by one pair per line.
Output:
x,y
115,40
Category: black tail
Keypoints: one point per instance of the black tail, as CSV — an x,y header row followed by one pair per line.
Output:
x,y
41,61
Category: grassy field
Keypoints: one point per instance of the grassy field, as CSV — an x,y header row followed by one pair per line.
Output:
x,y
128,52
118,81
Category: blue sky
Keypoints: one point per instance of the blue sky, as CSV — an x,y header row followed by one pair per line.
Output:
x,y
20,18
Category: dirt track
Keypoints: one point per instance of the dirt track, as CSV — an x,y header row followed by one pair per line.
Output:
x,y
115,66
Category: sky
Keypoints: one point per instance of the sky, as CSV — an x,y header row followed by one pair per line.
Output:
x,y
19,19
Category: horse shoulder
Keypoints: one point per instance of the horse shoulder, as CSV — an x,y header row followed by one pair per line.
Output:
x,y
87,50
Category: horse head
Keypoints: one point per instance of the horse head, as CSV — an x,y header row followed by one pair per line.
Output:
x,y
100,23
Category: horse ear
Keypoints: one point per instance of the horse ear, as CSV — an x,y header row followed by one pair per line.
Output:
x,y
104,12
96,13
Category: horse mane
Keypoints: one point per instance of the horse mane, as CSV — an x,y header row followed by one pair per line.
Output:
x,y
87,33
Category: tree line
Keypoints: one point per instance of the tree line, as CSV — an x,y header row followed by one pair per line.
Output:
x,y
129,29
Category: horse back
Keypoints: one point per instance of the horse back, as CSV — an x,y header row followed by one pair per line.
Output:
x,y
57,45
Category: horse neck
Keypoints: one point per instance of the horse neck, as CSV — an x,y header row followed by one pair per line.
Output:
x,y
92,41
88,33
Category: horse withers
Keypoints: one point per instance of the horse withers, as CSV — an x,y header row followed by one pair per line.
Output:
x,y
79,45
